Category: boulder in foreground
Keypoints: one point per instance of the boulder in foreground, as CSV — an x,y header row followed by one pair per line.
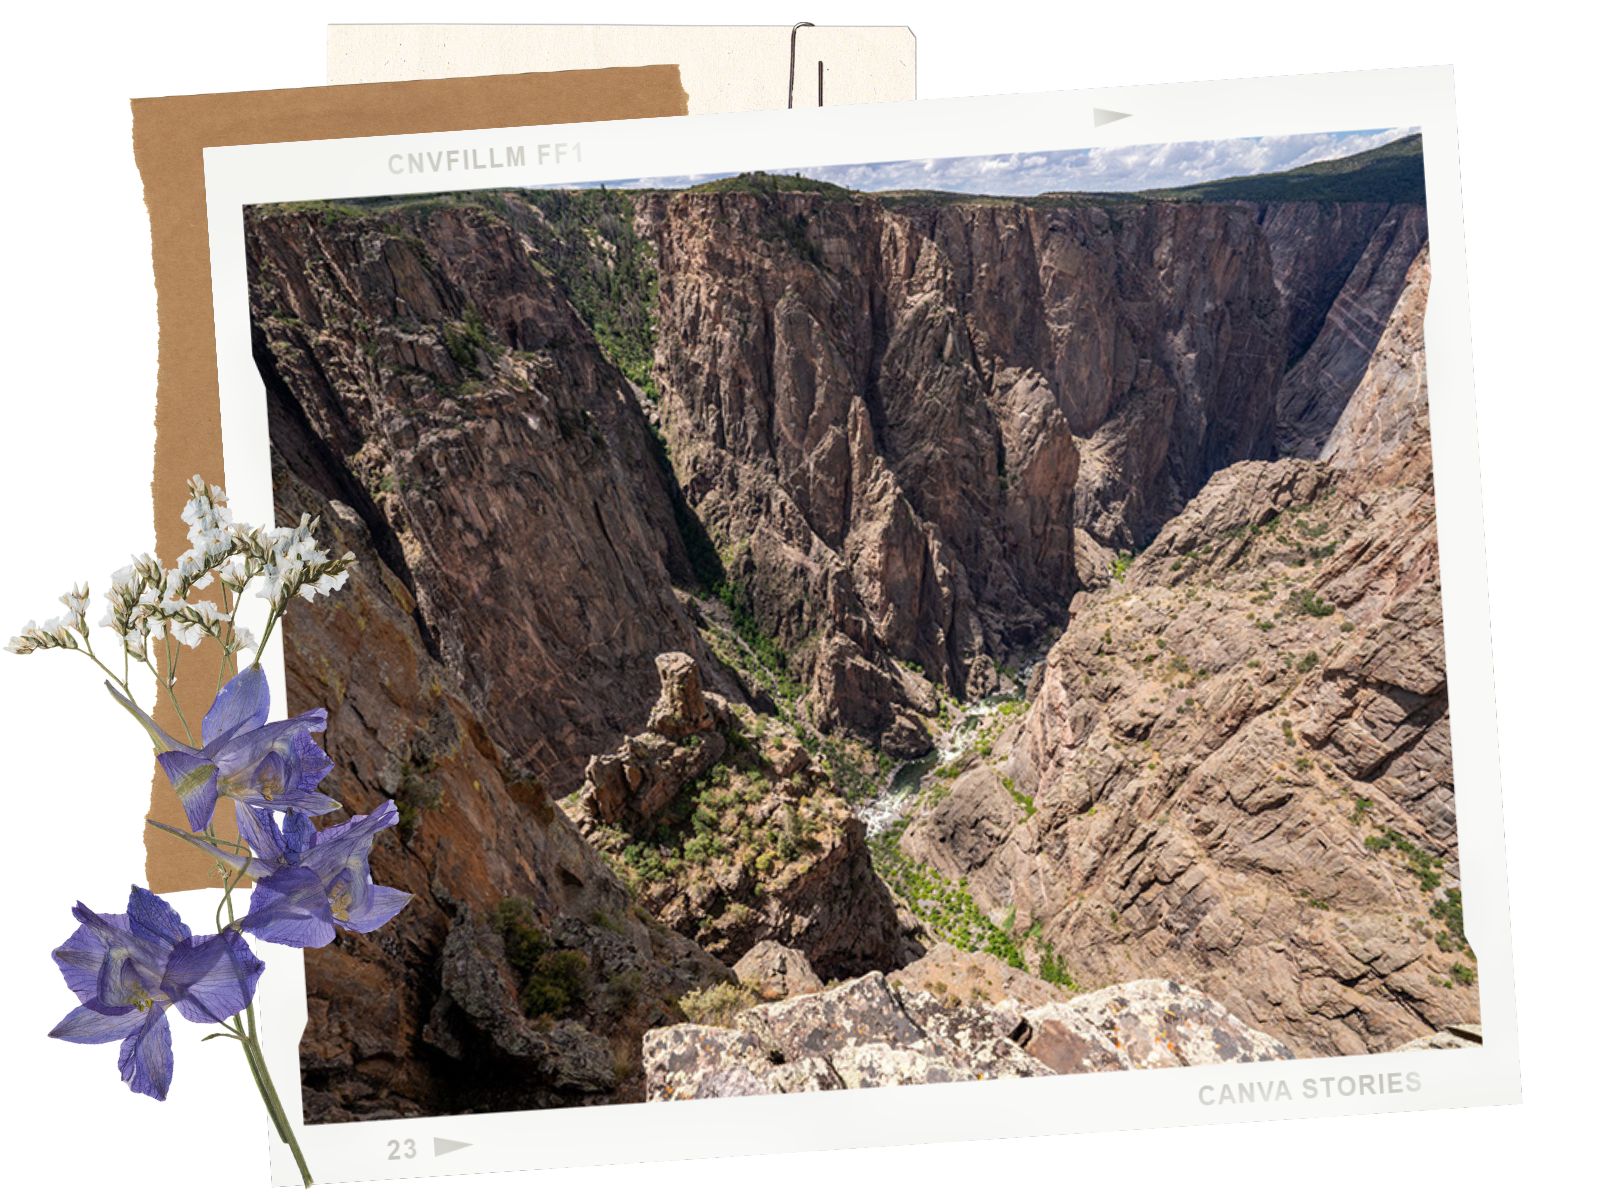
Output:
x,y
868,1033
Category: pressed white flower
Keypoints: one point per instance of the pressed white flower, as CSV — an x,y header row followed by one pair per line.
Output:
x,y
190,635
134,643
235,572
54,634
148,601
292,563
77,599
209,518
27,641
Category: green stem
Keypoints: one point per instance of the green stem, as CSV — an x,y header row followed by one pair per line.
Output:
x,y
266,636
172,674
269,1094
121,681
229,660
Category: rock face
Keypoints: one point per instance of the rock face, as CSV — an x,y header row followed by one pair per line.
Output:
x,y
883,412
1239,754
1368,252
892,417
728,834
1382,435
460,406
1142,1025
866,1033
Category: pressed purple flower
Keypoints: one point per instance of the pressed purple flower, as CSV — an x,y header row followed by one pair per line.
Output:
x,y
321,880
276,766
310,882
128,969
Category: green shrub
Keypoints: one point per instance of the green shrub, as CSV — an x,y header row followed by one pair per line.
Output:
x,y
1024,801
1418,861
464,339
1447,909
718,1004
1311,604
1053,970
551,982
558,983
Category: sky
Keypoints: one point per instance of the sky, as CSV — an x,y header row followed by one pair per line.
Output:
x,y
1101,169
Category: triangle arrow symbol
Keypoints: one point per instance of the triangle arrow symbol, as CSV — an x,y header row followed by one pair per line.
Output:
x,y
1104,116
443,1146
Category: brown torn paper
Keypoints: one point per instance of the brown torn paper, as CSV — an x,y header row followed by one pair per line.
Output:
x,y
170,135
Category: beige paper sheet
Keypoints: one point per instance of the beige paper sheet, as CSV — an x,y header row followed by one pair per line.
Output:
x,y
725,68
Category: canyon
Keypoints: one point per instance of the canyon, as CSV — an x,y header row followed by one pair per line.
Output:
x,y
685,517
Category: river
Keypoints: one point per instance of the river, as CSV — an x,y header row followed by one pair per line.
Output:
x,y
895,797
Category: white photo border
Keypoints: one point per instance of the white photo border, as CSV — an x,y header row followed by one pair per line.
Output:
x,y
237,176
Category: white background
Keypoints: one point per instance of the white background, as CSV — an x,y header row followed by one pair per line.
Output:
x,y
78,333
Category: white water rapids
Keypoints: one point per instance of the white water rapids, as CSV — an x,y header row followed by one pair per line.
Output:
x,y
893,798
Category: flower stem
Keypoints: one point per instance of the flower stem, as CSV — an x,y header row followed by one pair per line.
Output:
x,y
269,1094
266,635
171,678
246,1035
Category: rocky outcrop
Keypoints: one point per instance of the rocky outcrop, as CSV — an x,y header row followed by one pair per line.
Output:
x,y
965,977
1452,1037
684,737
1143,1025
775,972
728,833
859,1034
870,1033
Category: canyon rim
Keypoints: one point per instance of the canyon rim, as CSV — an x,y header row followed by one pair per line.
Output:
x,y
825,636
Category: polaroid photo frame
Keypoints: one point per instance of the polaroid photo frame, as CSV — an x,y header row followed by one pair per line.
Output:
x,y
1002,128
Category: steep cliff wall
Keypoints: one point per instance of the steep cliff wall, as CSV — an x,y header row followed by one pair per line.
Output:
x,y
471,419
1157,327
1341,268
890,418
879,496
